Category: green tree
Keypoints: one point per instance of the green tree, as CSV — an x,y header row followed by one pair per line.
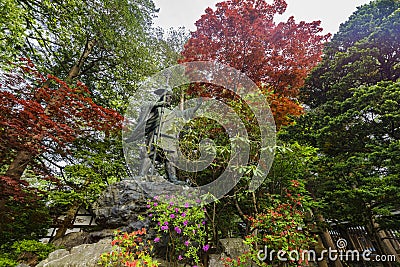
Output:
x,y
363,52
104,44
353,120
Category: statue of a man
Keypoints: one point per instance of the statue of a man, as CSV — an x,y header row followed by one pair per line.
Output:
x,y
150,119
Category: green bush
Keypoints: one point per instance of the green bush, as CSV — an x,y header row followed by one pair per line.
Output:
x,y
24,250
29,219
6,261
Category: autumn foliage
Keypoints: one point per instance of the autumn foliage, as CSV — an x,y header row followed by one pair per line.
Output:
x,y
40,114
276,56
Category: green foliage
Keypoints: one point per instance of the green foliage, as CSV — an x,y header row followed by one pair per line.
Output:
x,y
278,226
6,261
132,250
183,224
24,251
363,52
354,121
95,165
363,177
24,220
12,29
40,249
119,29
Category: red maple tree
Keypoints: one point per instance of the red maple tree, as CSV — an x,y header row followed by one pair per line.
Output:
x,y
277,57
42,114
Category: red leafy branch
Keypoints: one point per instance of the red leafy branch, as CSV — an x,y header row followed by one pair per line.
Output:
x,y
38,110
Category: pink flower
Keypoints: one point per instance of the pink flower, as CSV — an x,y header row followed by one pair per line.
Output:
x,y
172,216
164,227
185,223
206,247
157,239
180,258
176,210
187,243
183,214
178,230
151,215
186,205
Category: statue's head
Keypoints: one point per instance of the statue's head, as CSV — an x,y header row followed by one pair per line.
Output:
x,y
165,95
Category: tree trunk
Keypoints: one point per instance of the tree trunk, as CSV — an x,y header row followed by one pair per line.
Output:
x,y
383,245
323,262
327,240
18,165
67,221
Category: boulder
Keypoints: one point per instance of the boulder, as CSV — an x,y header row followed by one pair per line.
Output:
x,y
86,255
78,238
123,204
233,247
71,240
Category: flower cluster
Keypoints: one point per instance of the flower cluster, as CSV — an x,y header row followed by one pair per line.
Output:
x,y
280,227
240,261
129,249
183,223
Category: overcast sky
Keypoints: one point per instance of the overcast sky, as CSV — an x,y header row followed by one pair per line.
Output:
x,y
174,13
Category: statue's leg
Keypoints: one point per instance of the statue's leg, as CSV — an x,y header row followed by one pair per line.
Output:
x,y
171,172
145,162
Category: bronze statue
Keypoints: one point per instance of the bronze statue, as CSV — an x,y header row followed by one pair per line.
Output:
x,y
151,119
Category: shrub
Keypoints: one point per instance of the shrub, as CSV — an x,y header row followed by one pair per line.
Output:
x,y
129,249
182,222
31,251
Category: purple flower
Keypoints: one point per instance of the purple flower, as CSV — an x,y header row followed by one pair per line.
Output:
x,y
151,215
172,216
185,223
155,204
157,239
156,197
183,214
180,258
164,227
186,205
206,247
198,200
203,222
187,243
178,230
171,203
165,223
148,206
176,210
